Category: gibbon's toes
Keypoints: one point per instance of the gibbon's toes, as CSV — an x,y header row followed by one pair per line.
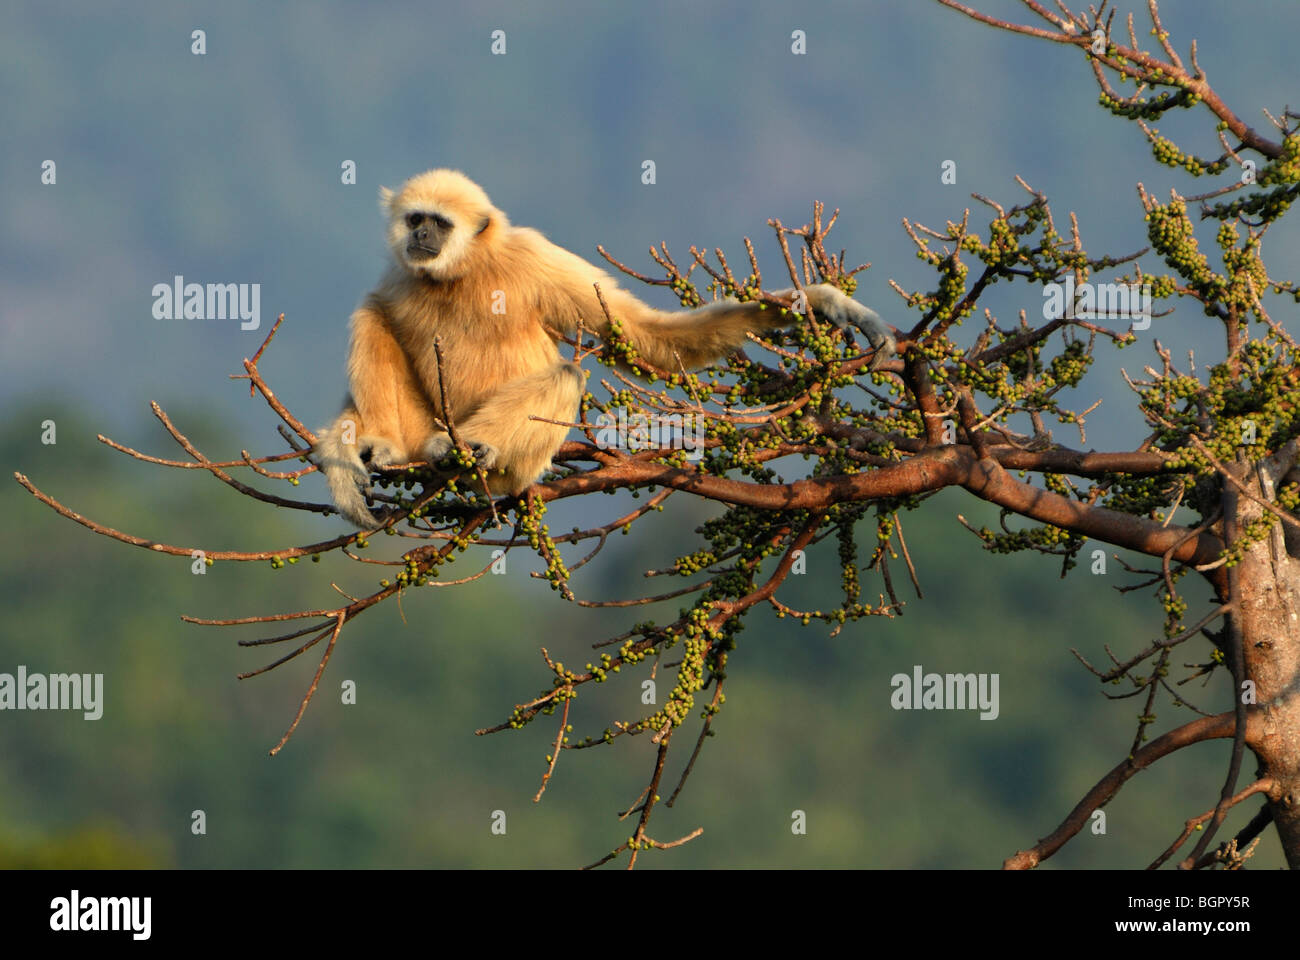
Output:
x,y
366,520
349,494
378,454
436,447
378,516
485,454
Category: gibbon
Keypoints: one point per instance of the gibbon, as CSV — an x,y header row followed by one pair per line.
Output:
x,y
499,297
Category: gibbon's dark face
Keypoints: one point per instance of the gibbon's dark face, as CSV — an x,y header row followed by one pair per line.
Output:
x,y
428,234
435,221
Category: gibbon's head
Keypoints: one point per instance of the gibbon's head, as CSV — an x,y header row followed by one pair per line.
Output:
x,y
436,222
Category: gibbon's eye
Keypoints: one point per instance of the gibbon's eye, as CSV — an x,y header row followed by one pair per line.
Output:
x,y
442,222
413,220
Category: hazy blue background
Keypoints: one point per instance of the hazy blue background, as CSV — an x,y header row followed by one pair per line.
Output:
x,y
226,168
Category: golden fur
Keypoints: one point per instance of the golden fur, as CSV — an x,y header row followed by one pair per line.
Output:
x,y
499,297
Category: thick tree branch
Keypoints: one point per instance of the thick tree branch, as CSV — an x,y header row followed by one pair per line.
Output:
x,y
1203,728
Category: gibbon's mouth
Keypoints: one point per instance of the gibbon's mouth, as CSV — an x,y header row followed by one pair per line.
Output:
x,y
416,251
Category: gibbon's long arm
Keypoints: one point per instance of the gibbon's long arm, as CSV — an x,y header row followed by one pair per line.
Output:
x,y
385,394
695,337
386,414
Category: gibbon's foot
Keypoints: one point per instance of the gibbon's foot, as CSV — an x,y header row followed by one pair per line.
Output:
x,y
485,455
350,487
833,304
377,453
376,517
347,476
352,497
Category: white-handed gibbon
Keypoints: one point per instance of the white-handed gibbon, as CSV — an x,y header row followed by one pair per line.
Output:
x,y
499,298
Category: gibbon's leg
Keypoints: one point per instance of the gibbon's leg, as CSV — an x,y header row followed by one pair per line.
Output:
x,y
503,436
700,336
396,413
384,420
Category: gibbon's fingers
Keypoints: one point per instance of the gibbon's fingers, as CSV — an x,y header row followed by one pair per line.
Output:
x,y
440,445
833,304
347,478
351,501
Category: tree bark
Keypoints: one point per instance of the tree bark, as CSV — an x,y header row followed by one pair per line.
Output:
x,y
1268,613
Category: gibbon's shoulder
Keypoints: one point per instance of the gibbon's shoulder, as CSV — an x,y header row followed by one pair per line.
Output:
x,y
526,253
526,245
